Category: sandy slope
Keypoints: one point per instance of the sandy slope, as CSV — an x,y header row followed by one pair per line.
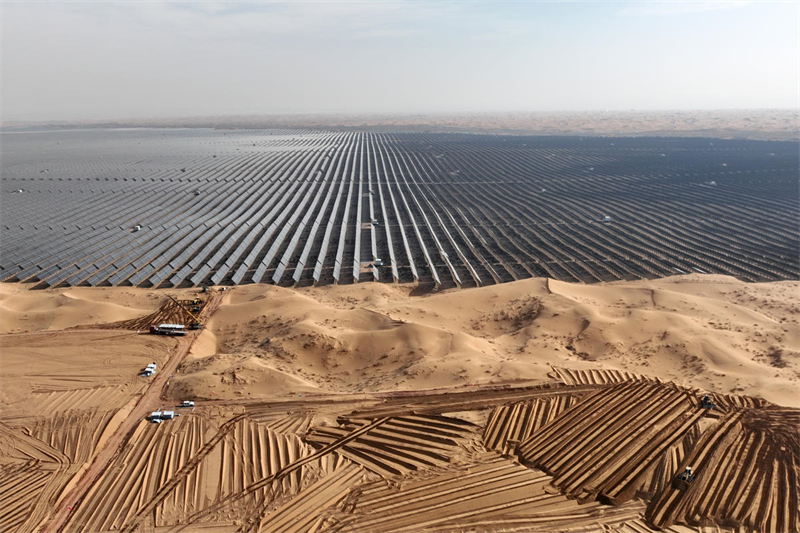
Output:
x,y
711,332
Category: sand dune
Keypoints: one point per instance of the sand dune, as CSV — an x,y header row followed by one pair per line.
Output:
x,y
710,332
25,310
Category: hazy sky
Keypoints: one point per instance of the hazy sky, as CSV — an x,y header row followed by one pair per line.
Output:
x,y
94,60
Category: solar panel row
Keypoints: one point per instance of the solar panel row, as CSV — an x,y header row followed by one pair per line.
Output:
x,y
450,209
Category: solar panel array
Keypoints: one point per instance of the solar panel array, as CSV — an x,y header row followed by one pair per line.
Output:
x,y
301,206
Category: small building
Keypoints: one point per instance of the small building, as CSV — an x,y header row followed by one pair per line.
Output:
x,y
155,415
167,415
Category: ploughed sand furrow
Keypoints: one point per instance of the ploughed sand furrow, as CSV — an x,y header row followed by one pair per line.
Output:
x,y
629,478
745,474
400,445
131,479
176,494
611,456
726,473
433,435
419,497
307,510
251,453
291,424
100,501
661,475
54,403
74,433
133,482
413,452
58,448
489,465
181,450
19,493
728,402
69,440
663,507
510,424
492,493
639,525
612,446
584,519
569,420
595,376
416,452
303,462
29,447
629,413
569,431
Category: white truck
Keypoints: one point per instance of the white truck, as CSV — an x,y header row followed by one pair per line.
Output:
x,y
168,329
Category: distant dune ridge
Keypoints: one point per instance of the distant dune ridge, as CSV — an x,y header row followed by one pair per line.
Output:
x,y
711,332
768,124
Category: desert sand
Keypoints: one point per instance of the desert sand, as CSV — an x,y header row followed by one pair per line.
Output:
x,y
274,367
709,332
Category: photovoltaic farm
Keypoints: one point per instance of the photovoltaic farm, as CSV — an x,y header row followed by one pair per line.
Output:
x,y
181,208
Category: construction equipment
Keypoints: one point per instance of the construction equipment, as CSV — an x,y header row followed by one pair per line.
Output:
x,y
706,403
684,479
193,325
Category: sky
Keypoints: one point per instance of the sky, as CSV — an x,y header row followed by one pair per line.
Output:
x,y
70,60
